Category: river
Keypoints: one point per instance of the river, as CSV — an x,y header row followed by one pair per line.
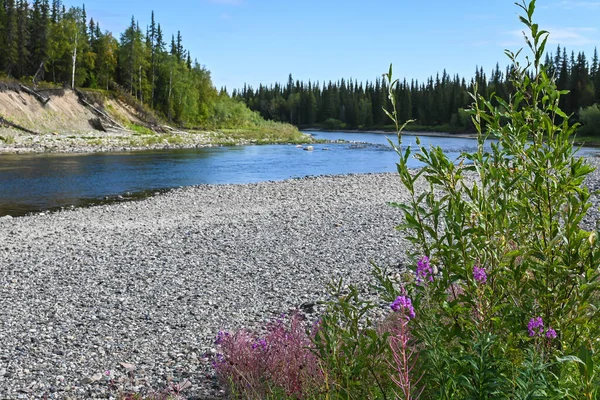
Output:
x,y
39,182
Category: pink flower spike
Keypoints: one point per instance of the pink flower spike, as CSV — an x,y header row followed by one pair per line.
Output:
x,y
479,275
535,327
424,273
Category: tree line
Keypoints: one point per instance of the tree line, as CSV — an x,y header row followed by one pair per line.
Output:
x,y
438,101
44,41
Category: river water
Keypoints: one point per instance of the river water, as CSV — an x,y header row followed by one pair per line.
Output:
x,y
38,182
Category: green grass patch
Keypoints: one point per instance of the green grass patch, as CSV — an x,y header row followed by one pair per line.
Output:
x,y
142,130
266,133
8,139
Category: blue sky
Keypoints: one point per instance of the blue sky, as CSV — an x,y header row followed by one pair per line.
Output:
x,y
263,41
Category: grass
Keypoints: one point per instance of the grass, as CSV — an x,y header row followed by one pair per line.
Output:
x,y
142,130
8,139
267,133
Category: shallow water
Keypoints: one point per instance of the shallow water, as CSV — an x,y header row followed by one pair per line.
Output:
x,y
37,182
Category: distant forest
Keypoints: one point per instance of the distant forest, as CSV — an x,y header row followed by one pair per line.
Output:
x,y
42,41
436,103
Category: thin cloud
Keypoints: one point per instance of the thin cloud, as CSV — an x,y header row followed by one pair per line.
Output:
x,y
562,36
573,4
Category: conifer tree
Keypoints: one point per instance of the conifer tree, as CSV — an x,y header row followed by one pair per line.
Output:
x,y
179,53
56,11
2,35
39,29
22,39
173,46
153,33
594,67
133,60
10,37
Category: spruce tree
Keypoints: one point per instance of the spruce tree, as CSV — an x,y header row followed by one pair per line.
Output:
x,y
56,11
39,29
153,39
133,61
173,46
563,82
2,36
179,49
10,36
21,68
594,66
597,86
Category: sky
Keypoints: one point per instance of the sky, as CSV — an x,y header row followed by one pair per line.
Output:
x,y
263,41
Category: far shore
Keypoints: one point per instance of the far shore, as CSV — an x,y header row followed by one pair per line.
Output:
x,y
584,141
116,140
13,141
407,133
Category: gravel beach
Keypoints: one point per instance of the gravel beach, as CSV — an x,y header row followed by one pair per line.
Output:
x,y
150,283
145,286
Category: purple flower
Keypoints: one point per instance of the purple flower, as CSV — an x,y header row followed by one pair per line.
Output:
x,y
551,333
479,275
536,327
404,303
218,360
221,336
260,343
424,271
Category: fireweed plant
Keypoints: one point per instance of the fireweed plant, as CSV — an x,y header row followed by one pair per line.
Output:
x,y
517,275
503,300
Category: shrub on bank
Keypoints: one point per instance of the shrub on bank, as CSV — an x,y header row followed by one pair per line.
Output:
x,y
589,118
503,298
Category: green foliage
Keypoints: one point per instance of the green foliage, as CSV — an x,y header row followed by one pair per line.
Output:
x,y
142,130
154,80
354,353
506,294
589,118
229,113
333,124
8,138
432,103
515,209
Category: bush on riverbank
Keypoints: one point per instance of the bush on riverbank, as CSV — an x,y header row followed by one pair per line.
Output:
x,y
233,119
502,301
590,121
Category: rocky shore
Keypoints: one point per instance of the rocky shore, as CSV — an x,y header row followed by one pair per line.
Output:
x,y
148,284
131,295
114,140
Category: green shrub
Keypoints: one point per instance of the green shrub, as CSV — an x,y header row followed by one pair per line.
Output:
x,y
589,118
142,130
503,300
514,281
230,113
333,124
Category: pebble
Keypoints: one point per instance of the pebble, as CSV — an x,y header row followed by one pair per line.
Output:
x,y
137,294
